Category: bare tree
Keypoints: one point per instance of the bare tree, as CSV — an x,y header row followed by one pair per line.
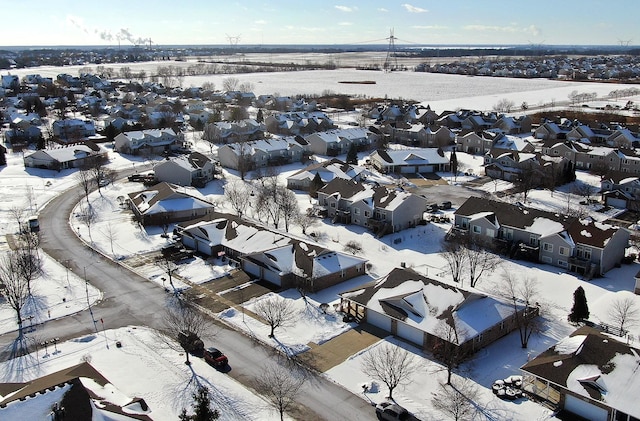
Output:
x,y
288,204
111,233
392,365
184,324
276,311
456,402
230,84
523,295
169,267
504,106
353,247
456,257
84,179
18,213
306,221
280,386
26,258
585,190
624,313
238,196
528,179
479,261
447,346
14,287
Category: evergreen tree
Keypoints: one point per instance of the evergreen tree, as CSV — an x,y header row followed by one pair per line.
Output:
x,y
260,116
110,132
453,162
316,184
580,309
352,154
201,408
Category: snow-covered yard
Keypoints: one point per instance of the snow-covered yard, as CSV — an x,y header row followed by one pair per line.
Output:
x,y
142,363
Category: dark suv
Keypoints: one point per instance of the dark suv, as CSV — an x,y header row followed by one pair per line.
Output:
x,y
215,357
389,411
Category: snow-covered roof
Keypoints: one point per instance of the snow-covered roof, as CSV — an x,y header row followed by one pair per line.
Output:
x,y
425,303
595,365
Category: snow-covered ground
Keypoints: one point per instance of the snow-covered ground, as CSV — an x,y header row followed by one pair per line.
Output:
x,y
418,248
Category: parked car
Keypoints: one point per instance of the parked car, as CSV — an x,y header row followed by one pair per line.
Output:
x,y
389,411
215,357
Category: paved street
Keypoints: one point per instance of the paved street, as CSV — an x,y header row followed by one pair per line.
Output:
x,y
130,299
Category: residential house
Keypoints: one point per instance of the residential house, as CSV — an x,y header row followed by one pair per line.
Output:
x,y
586,134
565,148
427,116
422,310
153,141
10,81
78,392
263,153
73,129
194,169
234,131
479,122
71,155
327,171
510,166
550,130
338,141
590,374
475,143
270,255
513,125
578,245
623,138
410,161
419,135
508,143
298,123
165,204
621,190
373,206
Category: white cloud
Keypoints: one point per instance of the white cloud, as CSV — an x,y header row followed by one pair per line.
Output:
x,y
414,9
345,23
261,22
534,30
382,9
346,8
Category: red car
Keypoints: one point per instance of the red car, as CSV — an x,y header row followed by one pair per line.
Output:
x,y
215,357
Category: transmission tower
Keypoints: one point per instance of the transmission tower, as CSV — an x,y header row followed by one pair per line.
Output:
x,y
233,41
391,62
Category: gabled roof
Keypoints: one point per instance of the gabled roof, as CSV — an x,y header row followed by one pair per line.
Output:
x,y
374,196
164,197
530,219
425,303
592,233
595,365
81,385
277,251
424,156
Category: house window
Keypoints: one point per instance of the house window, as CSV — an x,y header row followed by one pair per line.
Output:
x,y
465,224
562,263
547,247
534,241
333,205
564,251
477,229
356,211
356,221
502,325
546,259
367,214
509,232
491,233
479,338
584,253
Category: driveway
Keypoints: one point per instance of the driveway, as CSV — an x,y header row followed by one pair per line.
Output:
x,y
130,299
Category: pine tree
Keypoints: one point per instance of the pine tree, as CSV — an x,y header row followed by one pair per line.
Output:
x,y
453,162
202,409
352,154
580,309
316,184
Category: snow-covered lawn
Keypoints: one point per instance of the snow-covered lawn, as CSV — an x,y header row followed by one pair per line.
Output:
x,y
143,367
142,363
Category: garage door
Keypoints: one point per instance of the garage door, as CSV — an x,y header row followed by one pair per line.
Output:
x,y
425,168
377,319
410,333
408,170
616,203
585,409
272,277
251,268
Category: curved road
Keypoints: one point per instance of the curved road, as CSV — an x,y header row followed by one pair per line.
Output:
x,y
129,299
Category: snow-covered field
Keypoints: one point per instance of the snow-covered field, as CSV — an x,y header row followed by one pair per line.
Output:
x,y
418,248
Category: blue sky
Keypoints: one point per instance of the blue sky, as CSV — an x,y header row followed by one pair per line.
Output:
x,y
571,22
